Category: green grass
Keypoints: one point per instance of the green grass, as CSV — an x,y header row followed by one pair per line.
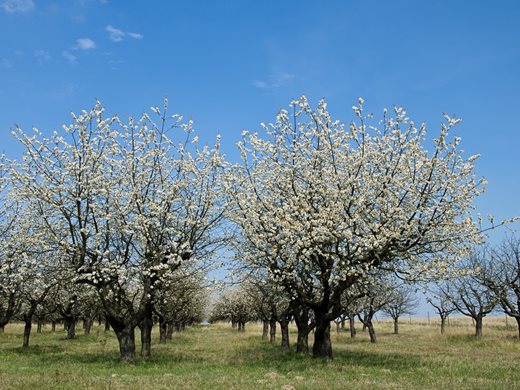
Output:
x,y
217,357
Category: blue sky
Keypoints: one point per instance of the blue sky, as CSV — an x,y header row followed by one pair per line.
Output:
x,y
232,64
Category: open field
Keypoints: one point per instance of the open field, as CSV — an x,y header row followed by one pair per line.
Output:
x,y
216,357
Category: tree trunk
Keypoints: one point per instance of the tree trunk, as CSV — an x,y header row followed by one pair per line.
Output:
x,y
272,331
443,324
371,331
126,338
322,347
146,334
27,333
107,326
163,328
233,324
302,342
2,329
284,327
301,317
53,326
342,322
87,325
169,330
338,324
265,329
39,326
71,330
396,325
352,327
518,325
478,327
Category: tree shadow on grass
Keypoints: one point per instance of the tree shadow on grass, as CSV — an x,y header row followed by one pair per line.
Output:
x,y
273,357
38,349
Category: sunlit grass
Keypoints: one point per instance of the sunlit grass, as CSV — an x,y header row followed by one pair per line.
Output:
x,y
217,357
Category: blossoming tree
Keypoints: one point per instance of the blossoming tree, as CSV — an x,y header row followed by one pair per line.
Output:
x,y
320,204
127,204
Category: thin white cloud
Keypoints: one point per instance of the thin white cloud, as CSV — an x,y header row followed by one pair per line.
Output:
x,y
117,35
5,63
71,58
13,6
274,81
85,44
135,35
42,56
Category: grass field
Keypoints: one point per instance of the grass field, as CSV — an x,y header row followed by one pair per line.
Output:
x,y
217,357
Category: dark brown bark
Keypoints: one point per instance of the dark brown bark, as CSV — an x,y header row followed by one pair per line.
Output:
x,y
272,330
87,325
126,338
169,330
396,325
163,328
284,327
71,330
352,327
27,333
478,326
146,334
443,324
53,326
322,347
2,329
301,317
107,325
39,326
371,331
265,329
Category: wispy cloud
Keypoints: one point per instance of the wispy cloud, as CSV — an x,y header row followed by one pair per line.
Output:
x,y
117,35
13,6
71,58
274,81
5,63
135,35
42,56
85,44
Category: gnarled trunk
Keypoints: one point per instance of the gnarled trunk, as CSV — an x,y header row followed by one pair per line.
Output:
x,y
126,340
301,317
71,329
322,347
